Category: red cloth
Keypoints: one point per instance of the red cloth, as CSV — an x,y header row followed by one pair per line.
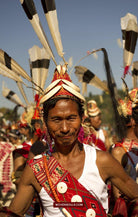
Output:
x,y
24,151
91,139
59,174
120,208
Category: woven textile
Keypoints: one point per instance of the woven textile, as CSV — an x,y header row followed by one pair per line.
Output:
x,y
7,188
59,174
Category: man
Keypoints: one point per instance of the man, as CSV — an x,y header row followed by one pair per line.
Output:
x,y
71,181
94,114
126,151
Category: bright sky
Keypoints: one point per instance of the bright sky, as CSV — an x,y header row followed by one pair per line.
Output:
x,y
84,25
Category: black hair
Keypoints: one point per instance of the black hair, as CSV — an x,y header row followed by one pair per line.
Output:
x,y
135,114
49,104
126,119
33,121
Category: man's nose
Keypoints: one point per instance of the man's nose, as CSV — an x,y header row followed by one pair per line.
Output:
x,y
64,126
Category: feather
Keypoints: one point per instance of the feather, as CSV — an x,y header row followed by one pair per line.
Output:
x,y
49,8
45,63
11,64
70,62
119,42
5,74
84,88
120,125
129,34
88,53
19,84
95,54
134,70
39,60
85,75
12,96
9,73
30,10
15,71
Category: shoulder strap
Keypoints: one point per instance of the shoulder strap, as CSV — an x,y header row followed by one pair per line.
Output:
x,y
71,187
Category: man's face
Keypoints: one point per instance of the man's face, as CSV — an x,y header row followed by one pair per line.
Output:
x,y
23,131
96,121
37,125
63,123
12,139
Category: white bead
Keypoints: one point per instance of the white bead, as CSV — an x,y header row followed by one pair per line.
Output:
x,y
76,198
62,187
38,156
90,213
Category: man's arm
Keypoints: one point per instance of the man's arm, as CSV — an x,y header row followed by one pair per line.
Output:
x,y
107,142
117,153
110,169
25,193
19,164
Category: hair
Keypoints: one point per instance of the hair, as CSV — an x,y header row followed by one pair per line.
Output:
x,y
49,104
127,120
33,121
135,114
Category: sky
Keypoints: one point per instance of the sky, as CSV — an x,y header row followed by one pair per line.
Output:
x,y
84,26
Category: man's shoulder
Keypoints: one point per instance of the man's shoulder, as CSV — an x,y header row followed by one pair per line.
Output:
x,y
117,150
103,157
35,159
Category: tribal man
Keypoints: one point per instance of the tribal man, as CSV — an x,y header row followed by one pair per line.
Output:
x,y
71,180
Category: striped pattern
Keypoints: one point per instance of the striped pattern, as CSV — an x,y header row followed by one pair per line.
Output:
x,y
20,86
10,68
9,94
30,10
8,189
134,71
39,61
129,29
9,73
11,64
57,174
86,76
49,8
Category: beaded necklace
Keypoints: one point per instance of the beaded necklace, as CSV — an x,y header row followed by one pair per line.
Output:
x,y
49,179
66,213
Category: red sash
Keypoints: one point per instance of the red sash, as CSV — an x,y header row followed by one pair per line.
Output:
x,y
59,174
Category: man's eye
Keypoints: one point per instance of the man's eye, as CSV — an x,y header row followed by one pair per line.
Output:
x,y
72,118
56,120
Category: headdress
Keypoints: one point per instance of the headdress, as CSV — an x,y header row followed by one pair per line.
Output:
x,y
133,94
127,104
85,76
37,111
125,107
11,95
92,108
62,85
23,125
129,29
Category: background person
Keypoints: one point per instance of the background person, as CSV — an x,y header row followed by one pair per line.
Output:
x,y
94,114
124,150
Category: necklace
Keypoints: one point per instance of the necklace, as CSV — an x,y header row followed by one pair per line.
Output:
x,y
49,179
66,213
